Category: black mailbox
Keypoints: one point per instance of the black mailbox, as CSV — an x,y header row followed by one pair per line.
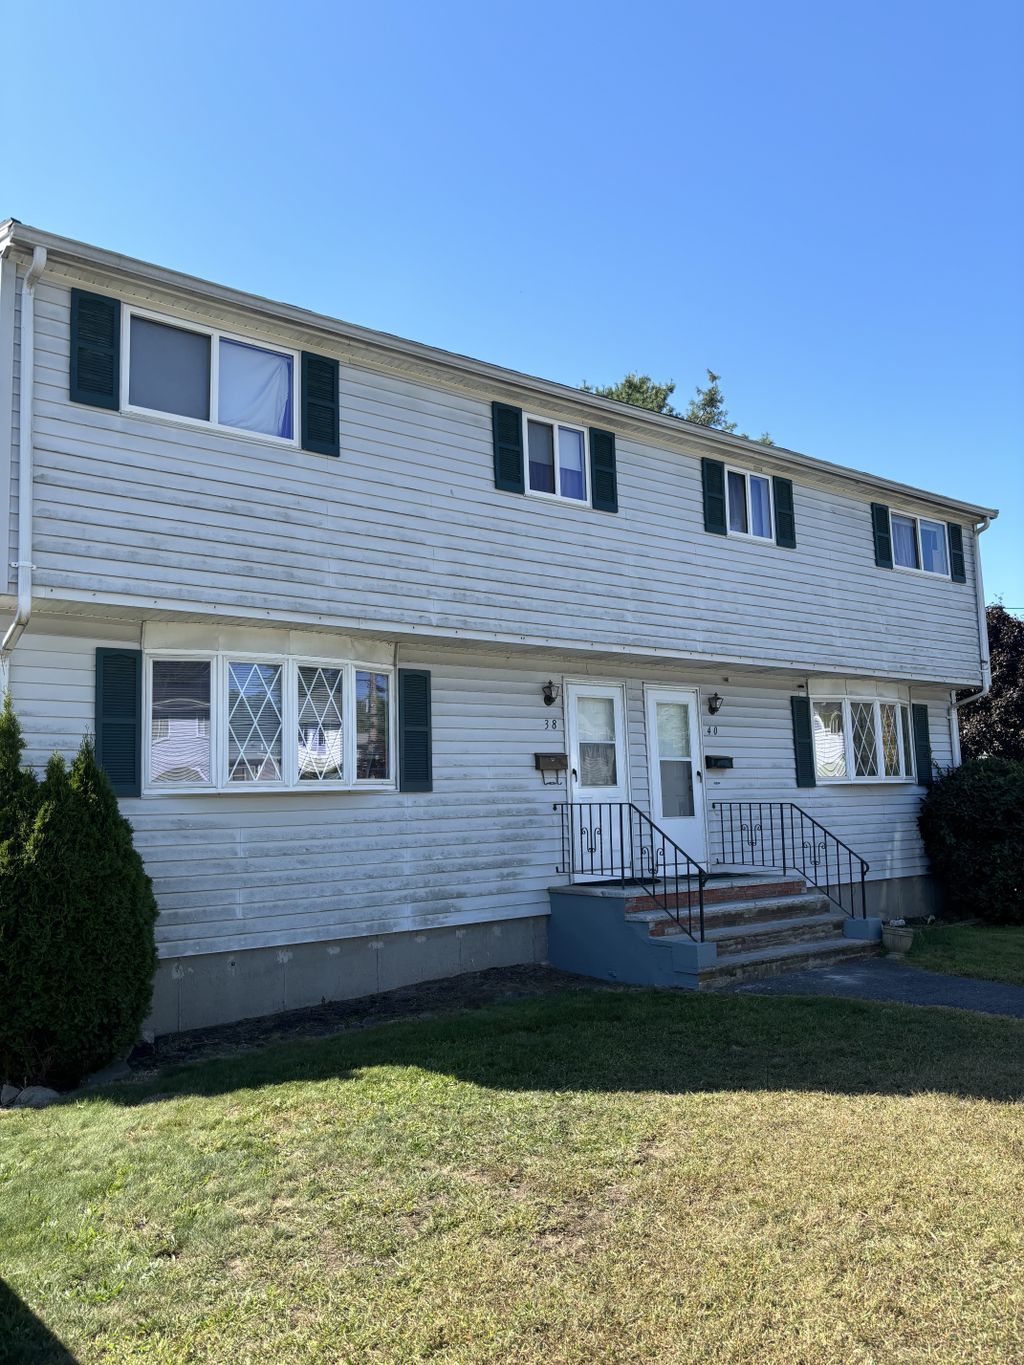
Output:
x,y
717,761
551,763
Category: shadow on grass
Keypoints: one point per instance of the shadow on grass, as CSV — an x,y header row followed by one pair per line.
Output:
x,y
595,1040
24,1337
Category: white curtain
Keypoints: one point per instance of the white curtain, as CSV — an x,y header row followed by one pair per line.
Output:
x,y
255,389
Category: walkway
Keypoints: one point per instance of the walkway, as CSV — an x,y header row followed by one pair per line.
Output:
x,y
881,978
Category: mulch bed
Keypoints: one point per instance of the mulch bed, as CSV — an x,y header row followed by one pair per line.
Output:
x,y
474,990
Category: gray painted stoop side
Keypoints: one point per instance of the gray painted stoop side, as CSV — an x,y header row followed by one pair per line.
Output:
x,y
755,926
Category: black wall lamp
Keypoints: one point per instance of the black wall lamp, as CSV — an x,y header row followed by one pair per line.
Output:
x,y
551,692
714,704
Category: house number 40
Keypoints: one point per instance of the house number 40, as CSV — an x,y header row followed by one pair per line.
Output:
x,y
711,729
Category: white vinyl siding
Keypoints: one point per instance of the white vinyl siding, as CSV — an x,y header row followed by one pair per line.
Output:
x,y
273,867
407,532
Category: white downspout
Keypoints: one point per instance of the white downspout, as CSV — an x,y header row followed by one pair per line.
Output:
x,y
23,563
986,660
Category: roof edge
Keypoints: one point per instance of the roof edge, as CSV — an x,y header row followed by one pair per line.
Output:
x,y
14,233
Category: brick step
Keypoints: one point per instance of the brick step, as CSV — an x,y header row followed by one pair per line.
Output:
x,y
764,962
737,913
733,941
717,892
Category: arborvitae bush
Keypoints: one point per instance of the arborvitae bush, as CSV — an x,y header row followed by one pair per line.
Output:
x,y
972,823
77,912
19,790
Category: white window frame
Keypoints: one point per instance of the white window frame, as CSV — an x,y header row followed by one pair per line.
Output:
x,y
916,520
216,335
290,664
907,774
554,424
749,474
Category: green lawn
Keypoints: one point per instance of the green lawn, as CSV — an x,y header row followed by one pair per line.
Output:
x,y
592,1177
993,952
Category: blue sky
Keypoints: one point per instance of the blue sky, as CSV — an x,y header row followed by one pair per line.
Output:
x,y
823,203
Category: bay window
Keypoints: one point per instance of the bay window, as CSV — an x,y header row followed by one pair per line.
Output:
x,y
861,740
225,722
200,374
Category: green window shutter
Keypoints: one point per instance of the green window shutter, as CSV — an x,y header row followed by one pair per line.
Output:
x,y
119,718
321,408
507,425
712,473
604,494
803,741
922,744
415,760
957,563
883,535
785,520
95,356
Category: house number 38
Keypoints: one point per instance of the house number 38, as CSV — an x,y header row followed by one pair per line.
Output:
x,y
551,723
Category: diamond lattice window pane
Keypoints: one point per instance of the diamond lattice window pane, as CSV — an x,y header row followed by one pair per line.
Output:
x,y
890,742
829,744
865,755
254,722
320,725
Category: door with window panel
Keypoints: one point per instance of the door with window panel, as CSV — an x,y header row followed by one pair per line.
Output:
x,y
598,778
677,779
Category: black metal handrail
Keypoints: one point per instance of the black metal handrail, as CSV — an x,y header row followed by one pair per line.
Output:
x,y
615,841
781,836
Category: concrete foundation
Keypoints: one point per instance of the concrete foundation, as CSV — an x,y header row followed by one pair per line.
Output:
x,y
221,988
904,898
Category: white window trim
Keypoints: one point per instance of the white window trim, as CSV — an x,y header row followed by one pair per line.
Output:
x,y
216,334
554,423
913,517
290,664
749,474
906,760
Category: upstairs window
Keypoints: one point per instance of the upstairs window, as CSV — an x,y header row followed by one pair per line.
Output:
x,y
749,504
557,459
204,375
919,544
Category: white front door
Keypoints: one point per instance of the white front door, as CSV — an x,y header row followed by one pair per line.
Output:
x,y
598,778
677,779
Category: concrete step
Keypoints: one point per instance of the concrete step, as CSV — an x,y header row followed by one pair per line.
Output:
x,y
738,913
764,962
733,940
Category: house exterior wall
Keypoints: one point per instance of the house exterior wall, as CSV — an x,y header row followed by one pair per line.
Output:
x,y
268,870
407,533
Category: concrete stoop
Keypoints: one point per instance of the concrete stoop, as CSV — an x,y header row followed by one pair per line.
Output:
x,y
755,926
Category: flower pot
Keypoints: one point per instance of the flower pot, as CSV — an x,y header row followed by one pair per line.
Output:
x,y
897,941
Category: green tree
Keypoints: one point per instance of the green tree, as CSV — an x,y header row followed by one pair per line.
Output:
x,y
19,790
640,390
77,913
994,727
707,408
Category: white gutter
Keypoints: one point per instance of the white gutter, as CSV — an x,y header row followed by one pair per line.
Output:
x,y
25,452
986,659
